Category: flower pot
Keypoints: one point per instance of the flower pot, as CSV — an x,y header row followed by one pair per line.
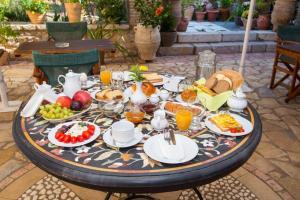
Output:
x,y
212,15
36,18
147,41
73,11
168,38
189,12
264,21
182,26
254,22
238,21
3,57
176,10
224,14
200,16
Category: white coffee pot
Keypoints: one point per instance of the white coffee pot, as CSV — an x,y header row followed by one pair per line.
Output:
x,y
72,83
159,120
238,101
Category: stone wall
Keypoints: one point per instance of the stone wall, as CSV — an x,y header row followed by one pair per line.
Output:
x,y
133,14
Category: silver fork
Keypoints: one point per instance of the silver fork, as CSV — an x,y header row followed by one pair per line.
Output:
x,y
167,136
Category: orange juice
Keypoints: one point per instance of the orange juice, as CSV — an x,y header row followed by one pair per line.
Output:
x,y
184,119
105,77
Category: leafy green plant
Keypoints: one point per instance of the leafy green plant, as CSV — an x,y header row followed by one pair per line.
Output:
x,y
225,3
246,13
168,23
186,3
15,12
263,6
137,72
200,7
6,32
151,12
35,6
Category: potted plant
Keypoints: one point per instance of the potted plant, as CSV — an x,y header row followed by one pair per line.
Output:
x,y
138,97
200,12
183,23
36,10
212,10
264,17
188,9
73,9
244,18
168,29
238,9
224,9
147,36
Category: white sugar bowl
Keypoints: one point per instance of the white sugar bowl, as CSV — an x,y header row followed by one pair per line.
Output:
x,y
237,102
154,98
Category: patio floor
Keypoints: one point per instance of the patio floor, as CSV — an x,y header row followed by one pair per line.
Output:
x,y
273,172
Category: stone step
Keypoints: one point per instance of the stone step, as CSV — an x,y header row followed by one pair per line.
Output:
x,y
217,47
228,36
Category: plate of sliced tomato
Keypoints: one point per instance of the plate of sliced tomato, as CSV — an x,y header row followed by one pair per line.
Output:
x,y
74,134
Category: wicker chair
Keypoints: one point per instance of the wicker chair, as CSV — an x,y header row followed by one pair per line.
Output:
x,y
49,66
63,31
287,60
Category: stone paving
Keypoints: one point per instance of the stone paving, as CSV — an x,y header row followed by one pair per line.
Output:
x,y
273,171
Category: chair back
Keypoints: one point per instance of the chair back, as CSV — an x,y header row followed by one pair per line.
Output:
x,y
289,33
63,31
53,65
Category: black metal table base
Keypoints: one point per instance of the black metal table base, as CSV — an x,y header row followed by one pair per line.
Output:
x,y
135,196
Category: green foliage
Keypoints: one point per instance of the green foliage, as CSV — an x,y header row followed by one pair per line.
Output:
x,y
246,12
151,12
112,10
6,32
200,6
263,6
137,72
37,6
225,3
169,21
186,3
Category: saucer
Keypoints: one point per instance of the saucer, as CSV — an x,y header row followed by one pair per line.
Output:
x,y
153,149
107,138
88,85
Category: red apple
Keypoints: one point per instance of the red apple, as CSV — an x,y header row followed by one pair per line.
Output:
x,y
83,97
64,101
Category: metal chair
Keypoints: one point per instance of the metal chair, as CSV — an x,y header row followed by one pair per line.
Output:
x,y
49,66
63,31
287,60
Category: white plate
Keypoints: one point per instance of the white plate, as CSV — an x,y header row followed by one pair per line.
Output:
x,y
107,138
125,74
53,140
55,121
88,85
153,150
179,99
247,126
93,95
162,106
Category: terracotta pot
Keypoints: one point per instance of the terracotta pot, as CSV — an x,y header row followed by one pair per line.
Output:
x,y
3,57
176,9
182,26
254,22
200,16
264,21
224,14
73,11
147,41
189,12
212,15
36,18
283,12
168,38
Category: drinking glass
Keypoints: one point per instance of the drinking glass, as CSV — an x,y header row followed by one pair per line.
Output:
x,y
184,119
106,77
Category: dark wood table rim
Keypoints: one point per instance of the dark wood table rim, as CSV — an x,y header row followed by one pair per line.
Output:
x,y
141,183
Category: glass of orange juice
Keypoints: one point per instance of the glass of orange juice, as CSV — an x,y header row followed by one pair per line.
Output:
x,y
184,119
106,76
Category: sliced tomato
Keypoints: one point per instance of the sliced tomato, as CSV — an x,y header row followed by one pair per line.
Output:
x,y
86,135
67,139
58,135
73,139
80,138
91,127
91,131
61,138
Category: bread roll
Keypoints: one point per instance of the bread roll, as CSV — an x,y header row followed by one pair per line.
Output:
x,y
236,78
222,86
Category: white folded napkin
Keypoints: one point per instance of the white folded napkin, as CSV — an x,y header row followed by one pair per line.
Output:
x,y
171,152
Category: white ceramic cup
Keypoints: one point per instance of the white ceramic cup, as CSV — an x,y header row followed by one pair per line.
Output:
x,y
122,131
164,95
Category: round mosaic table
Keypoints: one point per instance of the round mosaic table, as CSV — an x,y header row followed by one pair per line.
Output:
x,y
130,170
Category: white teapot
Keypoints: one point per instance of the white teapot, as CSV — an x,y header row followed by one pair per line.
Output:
x,y
72,83
237,102
159,121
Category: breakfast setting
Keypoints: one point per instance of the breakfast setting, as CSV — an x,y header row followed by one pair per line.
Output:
x,y
163,118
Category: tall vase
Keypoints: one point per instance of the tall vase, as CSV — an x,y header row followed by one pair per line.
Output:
x,y
73,11
147,41
138,97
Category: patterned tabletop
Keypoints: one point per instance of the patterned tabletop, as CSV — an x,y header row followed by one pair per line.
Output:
x,y
100,158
